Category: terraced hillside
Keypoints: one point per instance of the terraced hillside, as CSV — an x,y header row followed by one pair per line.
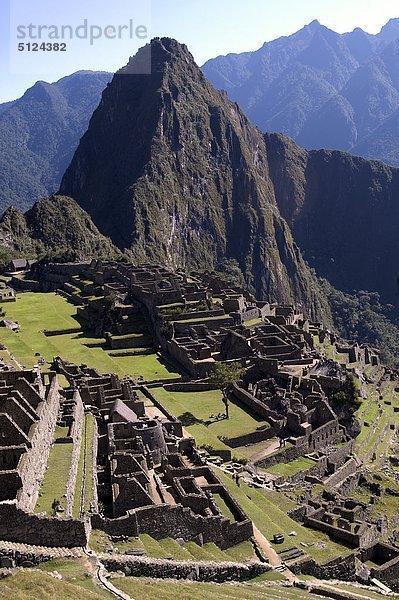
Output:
x,y
37,313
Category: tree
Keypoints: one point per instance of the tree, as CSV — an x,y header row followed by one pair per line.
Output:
x,y
348,395
222,376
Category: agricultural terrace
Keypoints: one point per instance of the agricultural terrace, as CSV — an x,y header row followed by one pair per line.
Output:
x,y
36,312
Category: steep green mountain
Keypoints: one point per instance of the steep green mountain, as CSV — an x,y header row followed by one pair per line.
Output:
x,y
323,89
174,172
343,212
40,132
56,226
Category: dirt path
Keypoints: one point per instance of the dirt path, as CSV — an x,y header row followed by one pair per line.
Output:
x,y
272,447
271,555
14,360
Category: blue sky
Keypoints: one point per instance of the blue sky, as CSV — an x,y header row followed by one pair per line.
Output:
x,y
208,27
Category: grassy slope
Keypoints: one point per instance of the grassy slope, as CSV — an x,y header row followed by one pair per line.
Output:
x,y
168,547
269,518
28,585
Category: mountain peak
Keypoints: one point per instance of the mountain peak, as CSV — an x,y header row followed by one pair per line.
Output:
x,y
155,56
173,172
315,24
390,31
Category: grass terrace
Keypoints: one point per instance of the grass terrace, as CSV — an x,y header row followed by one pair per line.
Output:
x,y
169,548
270,518
27,584
55,480
147,589
195,408
83,487
36,312
291,468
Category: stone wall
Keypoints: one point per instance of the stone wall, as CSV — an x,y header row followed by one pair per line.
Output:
x,y
349,485
180,354
365,536
76,435
33,463
348,468
251,438
317,470
388,571
94,482
285,455
18,526
329,433
193,570
163,521
343,568
339,456
177,424
249,400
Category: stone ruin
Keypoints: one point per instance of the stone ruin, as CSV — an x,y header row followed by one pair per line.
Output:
x,y
150,477
29,406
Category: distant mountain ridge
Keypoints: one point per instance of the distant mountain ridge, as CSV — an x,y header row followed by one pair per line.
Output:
x,y
39,133
321,88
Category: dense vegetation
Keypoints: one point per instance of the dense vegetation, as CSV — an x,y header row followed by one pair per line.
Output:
x,y
55,229
324,89
362,317
39,134
343,212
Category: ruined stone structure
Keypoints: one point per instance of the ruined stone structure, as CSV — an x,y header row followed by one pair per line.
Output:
x,y
149,477
29,405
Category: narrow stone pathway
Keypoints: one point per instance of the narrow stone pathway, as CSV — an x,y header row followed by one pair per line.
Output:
x,y
97,570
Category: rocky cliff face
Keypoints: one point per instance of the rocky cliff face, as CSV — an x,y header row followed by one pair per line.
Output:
x,y
343,212
172,171
56,224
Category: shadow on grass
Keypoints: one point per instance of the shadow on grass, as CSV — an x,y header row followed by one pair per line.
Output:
x,y
188,419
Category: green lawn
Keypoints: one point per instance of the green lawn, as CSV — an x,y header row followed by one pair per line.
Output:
x,y
28,585
147,589
252,449
73,573
168,547
223,506
85,469
55,480
36,312
203,404
269,518
291,468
